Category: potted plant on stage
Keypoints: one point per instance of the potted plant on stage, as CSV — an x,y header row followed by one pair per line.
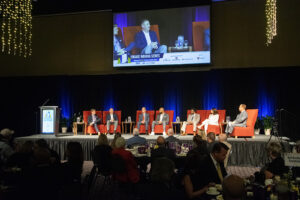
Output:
x,y
257,126
64,124
268,124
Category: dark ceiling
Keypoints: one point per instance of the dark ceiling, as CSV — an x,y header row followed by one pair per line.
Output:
x,y
41,7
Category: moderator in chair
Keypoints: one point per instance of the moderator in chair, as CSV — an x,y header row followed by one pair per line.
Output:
x,y
249,130
217,129
90,129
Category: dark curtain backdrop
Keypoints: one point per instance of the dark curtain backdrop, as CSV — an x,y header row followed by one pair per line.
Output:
x,y
266,89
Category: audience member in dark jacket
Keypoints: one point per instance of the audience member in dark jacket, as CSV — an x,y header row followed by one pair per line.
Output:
x,y
102,155
136,140
162,151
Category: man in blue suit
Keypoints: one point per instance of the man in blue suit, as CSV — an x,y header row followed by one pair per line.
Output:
x,y
146,40
119,47
143,119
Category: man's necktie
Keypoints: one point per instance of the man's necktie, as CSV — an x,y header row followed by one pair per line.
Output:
x,y
219,172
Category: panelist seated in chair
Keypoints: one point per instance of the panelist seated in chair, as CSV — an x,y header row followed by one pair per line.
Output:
x,y
119,47
161,119
143,119
240,121
213,119
112,118
146,40
94,120
193,119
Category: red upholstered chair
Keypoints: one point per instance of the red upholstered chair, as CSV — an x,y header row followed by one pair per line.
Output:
x,y
189,127
217,129
159,128
130,31
249,130
151,118
198,34
111,128
90,129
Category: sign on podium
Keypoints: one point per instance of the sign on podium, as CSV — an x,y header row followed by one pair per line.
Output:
x,y
49,116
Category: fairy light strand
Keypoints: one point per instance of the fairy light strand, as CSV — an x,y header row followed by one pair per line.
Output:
x,y
16,27
271,20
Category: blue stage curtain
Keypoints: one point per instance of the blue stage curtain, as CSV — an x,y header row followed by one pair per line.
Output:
x,y
202,13
121,20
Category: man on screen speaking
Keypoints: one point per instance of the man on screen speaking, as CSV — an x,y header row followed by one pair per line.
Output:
x,y
146,40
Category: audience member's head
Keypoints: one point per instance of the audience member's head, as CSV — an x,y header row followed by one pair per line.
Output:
x,y
198,142
233,188
160,141
74,153
222,137
219,151
211,137
162,170
242,107
120,142
113,143
274,149
214,111
6,134
136,132
102,139
41,156
170,132
26,147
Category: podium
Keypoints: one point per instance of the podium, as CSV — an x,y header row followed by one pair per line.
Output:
x,y
49,116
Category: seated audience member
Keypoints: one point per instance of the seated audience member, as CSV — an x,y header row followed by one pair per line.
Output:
x,y
6,149
276,166
136,140
111,118
240,120
144,119
146,40
162,151
71,172
113,142
94,120
102,155
171,137
233,188
130,173
22,157
223,139
163,119
193,119
213,119
54,157
119,47
161,186
199,146
211,140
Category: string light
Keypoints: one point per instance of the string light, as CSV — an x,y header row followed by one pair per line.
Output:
x,y
271,18
16,27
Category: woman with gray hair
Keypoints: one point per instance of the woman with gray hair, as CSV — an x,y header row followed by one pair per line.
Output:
x,y
130,173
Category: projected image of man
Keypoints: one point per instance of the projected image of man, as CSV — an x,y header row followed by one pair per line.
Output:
x,y
146,40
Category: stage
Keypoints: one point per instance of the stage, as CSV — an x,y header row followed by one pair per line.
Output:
x,y
245,151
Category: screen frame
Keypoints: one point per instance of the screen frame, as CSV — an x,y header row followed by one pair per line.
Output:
x,y
179,65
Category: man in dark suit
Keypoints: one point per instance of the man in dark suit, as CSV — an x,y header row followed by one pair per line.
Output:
x,y
162,151
112,118
143,119
146,40
212,167
94,120
171,137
